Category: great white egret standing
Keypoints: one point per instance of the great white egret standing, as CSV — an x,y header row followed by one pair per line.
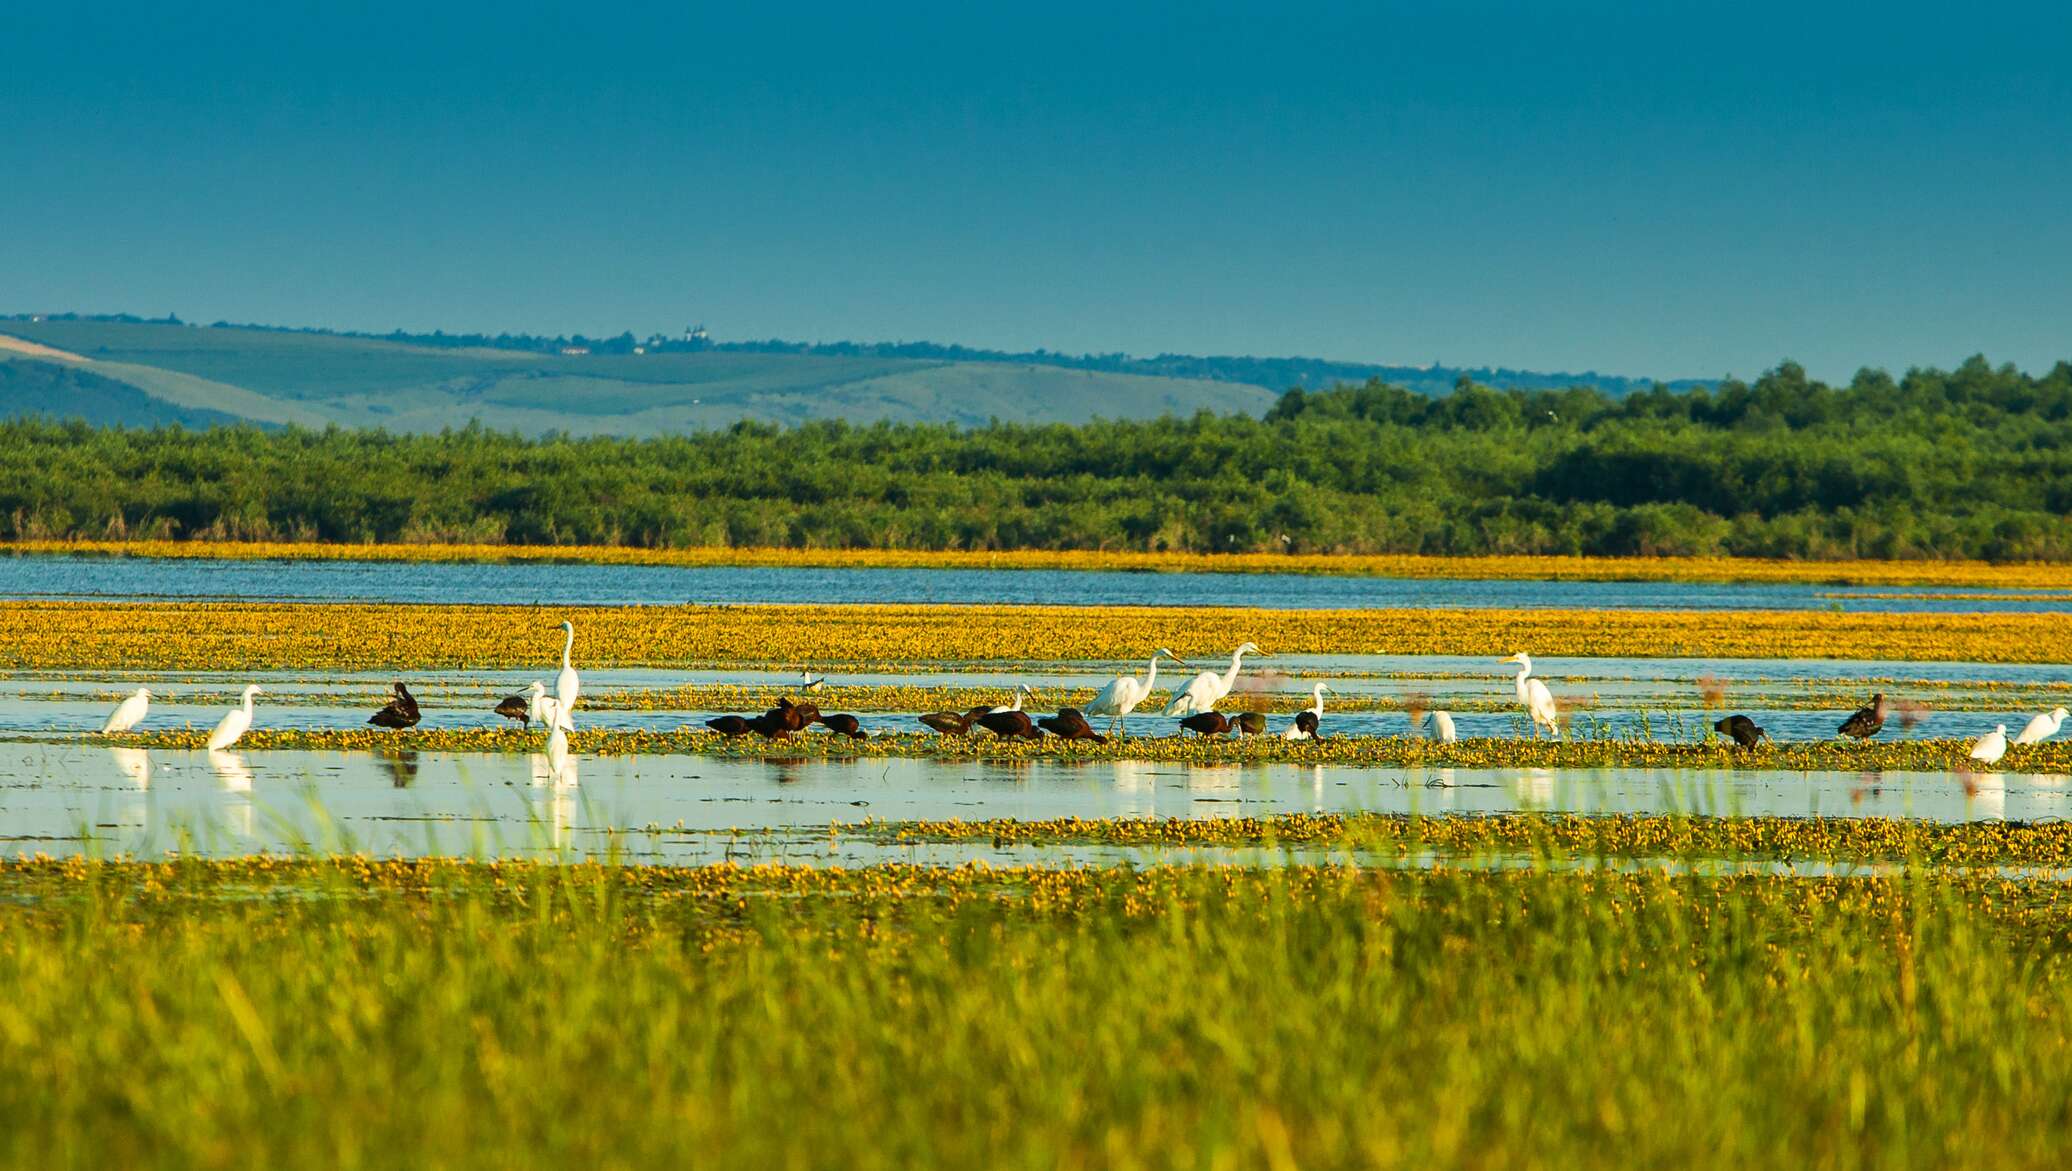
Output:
x,y
235,723
130,712
1125,692
1207,689
1306,720
566,684
1534,697
1438,725
1989,748
2043,727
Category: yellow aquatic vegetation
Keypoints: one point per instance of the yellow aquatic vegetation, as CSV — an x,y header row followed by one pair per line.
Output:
x,y
2051,757
1695,569
259,636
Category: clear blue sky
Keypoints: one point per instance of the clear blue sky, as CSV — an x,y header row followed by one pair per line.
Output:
x,y
1663,188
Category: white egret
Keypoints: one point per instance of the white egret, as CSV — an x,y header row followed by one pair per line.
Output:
x,y
1019,691
1125,692
566,684
2043,727
557,740
130,712
1534,697
1989,748
1305,725
523,706
1438,725
235,723
1208,688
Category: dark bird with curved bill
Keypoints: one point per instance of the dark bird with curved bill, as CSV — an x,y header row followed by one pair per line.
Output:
x,y
1741,730
954,723
731,725
524,707
1305,728
843,724
401,711
1208,723
1867,721
1010,725
1070,724
1251,723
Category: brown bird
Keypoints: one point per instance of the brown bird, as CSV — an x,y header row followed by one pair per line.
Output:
x,y
1070,724
845,725
401,711
959,723
1010,724
522,707
1866,722
1306,724
731,725
1251,723
1741,729
1208,723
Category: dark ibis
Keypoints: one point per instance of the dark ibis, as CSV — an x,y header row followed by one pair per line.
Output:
x,y
401,711
1251,723
1208,723
1010,724
1867,721
1306,720
957,723
845,725
525,708
1741,730
1070,724
731,725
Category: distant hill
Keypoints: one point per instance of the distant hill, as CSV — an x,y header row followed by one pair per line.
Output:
x,y
129,370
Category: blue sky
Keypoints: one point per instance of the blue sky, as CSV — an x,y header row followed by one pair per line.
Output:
x,y
1667,189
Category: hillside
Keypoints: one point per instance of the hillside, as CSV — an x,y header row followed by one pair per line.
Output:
x,y
200,374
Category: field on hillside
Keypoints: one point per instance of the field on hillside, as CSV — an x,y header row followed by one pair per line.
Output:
x,y
275,376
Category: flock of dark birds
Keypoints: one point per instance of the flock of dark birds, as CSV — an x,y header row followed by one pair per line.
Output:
x,y
1863,724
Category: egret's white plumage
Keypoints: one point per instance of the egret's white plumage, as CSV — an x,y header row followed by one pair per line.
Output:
x,y
1989,748
1125,692
566,685
1020,689
129,713
1207,689
1296,731
1534,697
235,723
1438,726
536,707
2043,727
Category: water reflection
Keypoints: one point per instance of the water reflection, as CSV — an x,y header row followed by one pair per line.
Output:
x,y
133,763
400,766
234,778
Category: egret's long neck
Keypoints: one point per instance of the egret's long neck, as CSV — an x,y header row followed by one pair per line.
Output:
x,y
1151,674
1524,670
1318,707
1230,676
567,647
248,703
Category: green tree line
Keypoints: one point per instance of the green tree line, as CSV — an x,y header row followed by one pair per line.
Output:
x,y
1973,462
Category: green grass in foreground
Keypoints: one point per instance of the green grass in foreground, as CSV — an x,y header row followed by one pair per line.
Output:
x,y
268,1013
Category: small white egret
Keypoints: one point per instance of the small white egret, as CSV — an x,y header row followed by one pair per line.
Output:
x,y
1125,692
1438,725
1207,689
2043,727
1989,748
1534,697
566,684
130,712
1019,691
1306,721
235,723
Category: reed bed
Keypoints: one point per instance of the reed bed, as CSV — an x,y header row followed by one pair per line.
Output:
x,y
119,636
2051,758
1676,569
350,1013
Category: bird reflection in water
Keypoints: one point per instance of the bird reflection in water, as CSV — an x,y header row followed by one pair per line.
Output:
x,y
133,763
235,778
400,766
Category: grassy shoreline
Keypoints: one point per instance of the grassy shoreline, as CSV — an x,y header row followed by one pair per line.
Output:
x,y
1953,574
224,636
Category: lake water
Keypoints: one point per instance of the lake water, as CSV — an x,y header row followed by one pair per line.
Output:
x,y
115,578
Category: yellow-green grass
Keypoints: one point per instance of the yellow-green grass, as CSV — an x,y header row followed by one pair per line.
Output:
x,y
1692,569
2051,757
353,1014
264,635
1554,836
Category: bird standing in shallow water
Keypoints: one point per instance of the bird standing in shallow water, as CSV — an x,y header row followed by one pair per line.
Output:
x,y
845,725
1070,724
401,711
731,725
1741,729
1306,721
1989,748
566,684
1438,725
2043,727
1207,689
1010,724
959,723
234,725
1867,721
131,711
1250,723
1125,692
1534,697
1207,723
523,707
